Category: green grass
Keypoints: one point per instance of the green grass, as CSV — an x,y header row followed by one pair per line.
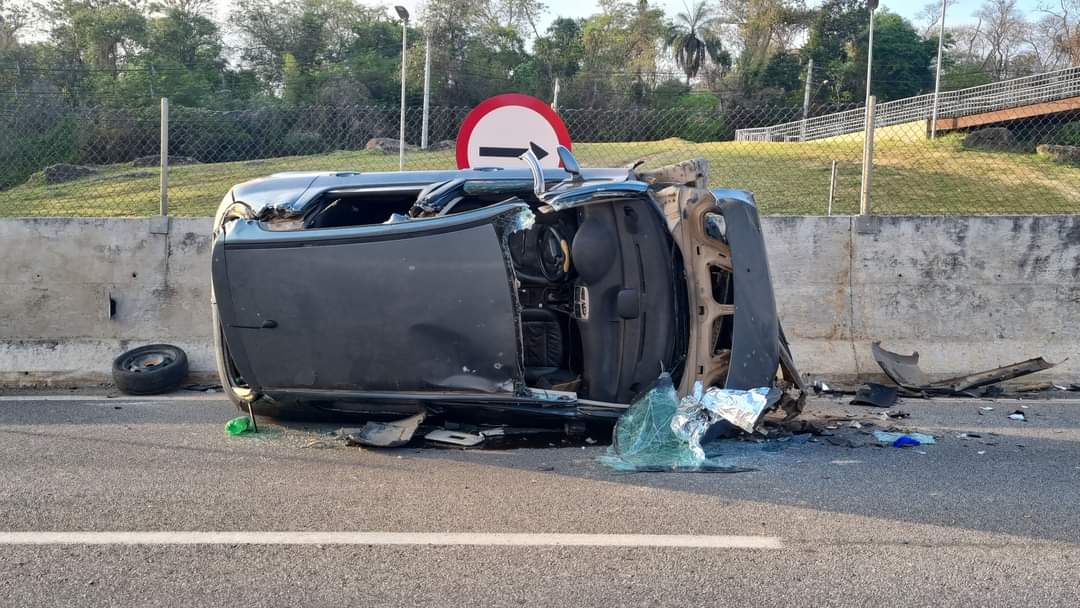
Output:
x,y
912,175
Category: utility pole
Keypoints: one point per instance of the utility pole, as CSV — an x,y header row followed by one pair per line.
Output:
x,y
806,98
868,127
868,158
163,185
937,73
427,88
555,98
404,14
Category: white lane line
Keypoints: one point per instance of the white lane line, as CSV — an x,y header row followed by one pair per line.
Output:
x,y
389,538
104,399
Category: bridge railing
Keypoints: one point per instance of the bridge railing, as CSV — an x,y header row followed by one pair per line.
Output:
x,y
1028,90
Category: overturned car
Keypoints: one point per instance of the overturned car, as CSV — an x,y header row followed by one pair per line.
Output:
x,y
560,294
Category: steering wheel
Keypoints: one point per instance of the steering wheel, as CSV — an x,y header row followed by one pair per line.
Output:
x,y
554,254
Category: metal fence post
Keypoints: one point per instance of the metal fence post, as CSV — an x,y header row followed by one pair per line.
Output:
x,y
164,186
868,157
832,187
427,89
806,98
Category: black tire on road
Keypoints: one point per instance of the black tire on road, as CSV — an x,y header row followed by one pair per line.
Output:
x,y
150,370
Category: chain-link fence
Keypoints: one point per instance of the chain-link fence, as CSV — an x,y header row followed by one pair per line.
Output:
x,y
105,162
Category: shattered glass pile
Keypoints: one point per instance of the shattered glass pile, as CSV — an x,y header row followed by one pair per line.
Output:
x,y
661,433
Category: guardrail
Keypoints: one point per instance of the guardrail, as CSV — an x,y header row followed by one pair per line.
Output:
x,y
1017,92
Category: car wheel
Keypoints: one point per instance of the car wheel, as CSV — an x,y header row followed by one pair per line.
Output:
x,y
237,391
150,370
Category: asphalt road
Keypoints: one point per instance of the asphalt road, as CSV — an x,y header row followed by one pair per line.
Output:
x,y
986,521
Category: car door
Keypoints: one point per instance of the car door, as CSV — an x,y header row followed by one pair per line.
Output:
x,y
418,305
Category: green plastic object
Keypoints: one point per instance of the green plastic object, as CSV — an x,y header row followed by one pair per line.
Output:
x,y
238,426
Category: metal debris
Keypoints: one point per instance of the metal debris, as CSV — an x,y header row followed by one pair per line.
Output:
x,y
458,438
905,372
742,409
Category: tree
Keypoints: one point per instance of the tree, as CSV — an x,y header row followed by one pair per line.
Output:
x,y
316,33
644,36
1002,31
94,32
622,50
903,60
182,59
761,29
561,48
451,25
518,15
693,42
13,20
835,29
1060,26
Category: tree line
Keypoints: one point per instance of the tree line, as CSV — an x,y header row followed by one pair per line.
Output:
x,y
630,54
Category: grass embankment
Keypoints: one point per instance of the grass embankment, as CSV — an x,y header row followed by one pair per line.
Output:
x,y
912,175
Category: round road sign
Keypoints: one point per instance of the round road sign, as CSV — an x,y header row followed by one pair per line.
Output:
x,y
502,128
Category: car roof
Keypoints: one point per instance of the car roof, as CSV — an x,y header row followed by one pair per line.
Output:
x,y
291,192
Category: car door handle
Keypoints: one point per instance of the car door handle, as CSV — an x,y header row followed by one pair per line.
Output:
x,y
267,324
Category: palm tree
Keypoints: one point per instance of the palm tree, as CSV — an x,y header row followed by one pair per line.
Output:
x,y
691,38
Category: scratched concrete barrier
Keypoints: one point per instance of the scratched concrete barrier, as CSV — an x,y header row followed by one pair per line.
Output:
x,y
968,293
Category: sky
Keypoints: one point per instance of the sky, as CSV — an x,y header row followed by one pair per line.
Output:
x,y
959,11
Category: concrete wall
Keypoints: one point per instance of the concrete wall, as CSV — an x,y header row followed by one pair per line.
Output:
x,y
57,277
967,292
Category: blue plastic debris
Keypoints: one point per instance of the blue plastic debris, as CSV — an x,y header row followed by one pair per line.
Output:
x,y
901,440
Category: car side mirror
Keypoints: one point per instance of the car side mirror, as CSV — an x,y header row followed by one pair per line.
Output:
x,y
569,163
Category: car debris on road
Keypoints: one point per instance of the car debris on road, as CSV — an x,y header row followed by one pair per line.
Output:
x,y
877,395
384,434
905,372
899,440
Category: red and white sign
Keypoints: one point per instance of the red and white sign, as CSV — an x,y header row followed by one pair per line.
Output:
x,y
502,128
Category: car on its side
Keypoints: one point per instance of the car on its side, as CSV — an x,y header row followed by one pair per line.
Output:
x,y
553,293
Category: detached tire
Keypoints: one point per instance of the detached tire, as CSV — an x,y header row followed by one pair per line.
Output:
x,y
150,370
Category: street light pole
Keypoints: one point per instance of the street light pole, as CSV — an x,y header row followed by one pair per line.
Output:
x,y
404,14
872,4
937,73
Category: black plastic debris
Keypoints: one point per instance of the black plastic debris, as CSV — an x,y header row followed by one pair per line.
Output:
x,y
876,395
384,434
821,388
905,372
203,388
